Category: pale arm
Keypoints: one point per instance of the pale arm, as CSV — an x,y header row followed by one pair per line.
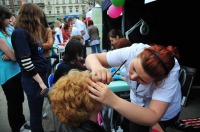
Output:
x,y
38,79
140,115
7,50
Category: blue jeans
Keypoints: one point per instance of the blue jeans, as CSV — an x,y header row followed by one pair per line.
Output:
x,y
35,102
96,48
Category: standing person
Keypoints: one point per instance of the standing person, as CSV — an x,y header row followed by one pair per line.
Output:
x,y
114,35
58,36
94,37
71,59
27,39
48,42
152,74
10,76
83,29
74,31
66,32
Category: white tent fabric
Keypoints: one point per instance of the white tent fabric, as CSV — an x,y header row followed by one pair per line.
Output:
x,y
89,13
97,5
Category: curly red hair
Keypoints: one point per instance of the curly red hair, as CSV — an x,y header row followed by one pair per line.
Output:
x,y
70,100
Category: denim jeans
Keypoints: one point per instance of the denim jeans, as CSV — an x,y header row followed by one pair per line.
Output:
x,y
35,102
96,48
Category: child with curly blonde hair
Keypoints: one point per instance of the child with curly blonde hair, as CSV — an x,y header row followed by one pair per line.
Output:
x,y
72,105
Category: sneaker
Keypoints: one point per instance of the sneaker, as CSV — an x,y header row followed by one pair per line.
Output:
x,y
25,128
44,114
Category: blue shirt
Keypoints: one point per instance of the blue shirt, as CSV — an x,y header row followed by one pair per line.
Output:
x,y
8,68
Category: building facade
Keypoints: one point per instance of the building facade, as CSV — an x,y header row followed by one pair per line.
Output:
x,y
63,9
56,9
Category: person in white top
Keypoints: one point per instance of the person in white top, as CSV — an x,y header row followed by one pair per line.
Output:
x,y
58,36
83,29
152,74
74,31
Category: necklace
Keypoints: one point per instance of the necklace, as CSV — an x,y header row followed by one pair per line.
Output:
x,y
5,34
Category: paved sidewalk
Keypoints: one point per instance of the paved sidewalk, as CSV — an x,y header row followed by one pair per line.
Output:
x,y
4,125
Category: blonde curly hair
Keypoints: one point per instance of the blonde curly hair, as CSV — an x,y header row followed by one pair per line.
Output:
x,y
70,100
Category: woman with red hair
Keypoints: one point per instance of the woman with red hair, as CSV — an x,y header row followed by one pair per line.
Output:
x,y
152,75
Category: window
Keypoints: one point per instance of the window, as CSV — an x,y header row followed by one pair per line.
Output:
x,y
76,9
64,9
6,2
83,11
15,2
49,12
70,9
49,2
57,1
76,1
70,1
57,10
63,2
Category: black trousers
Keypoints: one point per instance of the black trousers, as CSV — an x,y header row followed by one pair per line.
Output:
x,y
15,98
169,123
84,55
133,127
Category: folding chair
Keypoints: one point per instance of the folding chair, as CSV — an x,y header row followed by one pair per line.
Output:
x,y
50,80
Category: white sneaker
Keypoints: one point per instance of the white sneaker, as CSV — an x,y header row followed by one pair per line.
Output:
x,y
44,114
25,128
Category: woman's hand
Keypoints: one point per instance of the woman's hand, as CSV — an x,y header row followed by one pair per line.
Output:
x,y
43,88
5,57
101,74
101,93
